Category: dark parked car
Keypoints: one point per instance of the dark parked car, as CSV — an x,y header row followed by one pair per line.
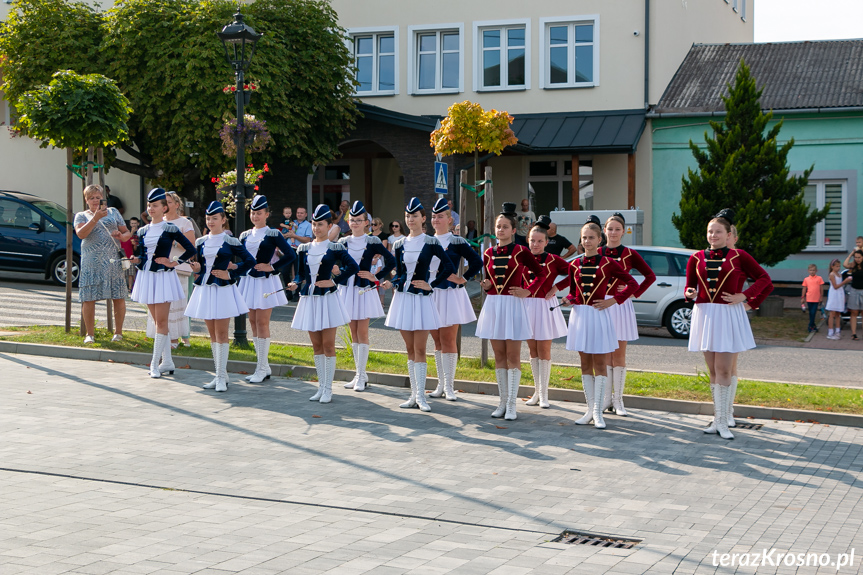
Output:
x,y
33,237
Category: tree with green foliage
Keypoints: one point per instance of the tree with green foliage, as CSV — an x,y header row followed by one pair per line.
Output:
x,y
167,59
744,168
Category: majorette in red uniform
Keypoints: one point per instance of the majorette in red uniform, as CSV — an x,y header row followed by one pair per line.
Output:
x,y
503,318
623,315
544,316
591,331
720,328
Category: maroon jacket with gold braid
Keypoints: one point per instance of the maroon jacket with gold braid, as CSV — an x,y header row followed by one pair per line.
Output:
x,y
552,266
606,270
518,258
628,259
735,266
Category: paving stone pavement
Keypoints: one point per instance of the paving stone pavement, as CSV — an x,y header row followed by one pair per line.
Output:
x,y
103,470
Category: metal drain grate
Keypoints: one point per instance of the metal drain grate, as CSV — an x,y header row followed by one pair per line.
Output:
x,y
755,426
579,538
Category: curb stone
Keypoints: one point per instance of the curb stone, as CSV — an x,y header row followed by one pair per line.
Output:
x,y
475,387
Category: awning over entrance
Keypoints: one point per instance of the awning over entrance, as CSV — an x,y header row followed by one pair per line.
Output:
x,y
605,132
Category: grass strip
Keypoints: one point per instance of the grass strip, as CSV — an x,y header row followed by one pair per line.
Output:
x,y
669,386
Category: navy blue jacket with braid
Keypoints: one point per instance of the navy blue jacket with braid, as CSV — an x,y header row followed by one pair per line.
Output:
x,y
374,246
335,254
170,234
457,249
430,249
274,239
230,249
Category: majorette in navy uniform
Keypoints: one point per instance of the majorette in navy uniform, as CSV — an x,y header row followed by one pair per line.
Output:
x,y
543,314
261,287
156,283
622,315
450,297
503,318
320,310
215,298
360,294
591,331
413,311
719,327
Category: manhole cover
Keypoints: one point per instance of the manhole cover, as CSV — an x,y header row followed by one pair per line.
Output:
x,y
755,426
595,539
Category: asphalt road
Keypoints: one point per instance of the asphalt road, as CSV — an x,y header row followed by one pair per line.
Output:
x,y
27,300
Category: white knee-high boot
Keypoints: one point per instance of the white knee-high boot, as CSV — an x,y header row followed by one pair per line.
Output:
x,y
712,427
158,346
606,396
362,359
450,360
352,383
320,368
617,382
545,376
217,353
588,384
262,350
167,363
329,374
502,391
720,403
412,401
513,381
441,374
254,343
729,408
600,383
537,379
222,383
420,369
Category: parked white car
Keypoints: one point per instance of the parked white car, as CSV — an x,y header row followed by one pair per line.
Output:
x,y
662,305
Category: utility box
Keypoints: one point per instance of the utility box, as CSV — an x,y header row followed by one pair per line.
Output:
x,y
569,223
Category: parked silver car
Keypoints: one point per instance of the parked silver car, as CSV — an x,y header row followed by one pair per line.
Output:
x,y
662,305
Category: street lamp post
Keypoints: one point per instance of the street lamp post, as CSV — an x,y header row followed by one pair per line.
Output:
x,y
238,38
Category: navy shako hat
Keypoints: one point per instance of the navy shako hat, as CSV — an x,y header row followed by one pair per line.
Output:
x,y
508,209
259,203
322,212
441,205
215,208
156,194
357,209
413,206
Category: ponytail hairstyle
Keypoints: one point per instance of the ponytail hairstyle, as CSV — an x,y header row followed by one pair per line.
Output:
x,y
725,217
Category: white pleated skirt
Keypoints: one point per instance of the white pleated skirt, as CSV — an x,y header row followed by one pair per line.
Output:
x,y
721,328
453,306
503,317
412,312
178,323
253,290
157,287
320,312
360,306
545,323
216,302
590,330
623,318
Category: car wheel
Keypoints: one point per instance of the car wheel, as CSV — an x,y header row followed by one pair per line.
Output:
x,y
678,319
59,272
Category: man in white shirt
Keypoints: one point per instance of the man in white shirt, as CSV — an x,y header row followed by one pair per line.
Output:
x,y
525,218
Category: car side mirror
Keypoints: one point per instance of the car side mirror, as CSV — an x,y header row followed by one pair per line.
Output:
x,y
36,227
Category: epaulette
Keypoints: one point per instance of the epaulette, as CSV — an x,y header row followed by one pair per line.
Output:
x,y
200,241
399,243
337,247
273,233
431,240
245,234
302,248
142,231
373,240
232,241
343,241
171,228
456,240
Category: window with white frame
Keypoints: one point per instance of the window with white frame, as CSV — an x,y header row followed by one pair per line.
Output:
x,y
829,234
376,60
502,58
436,60
570,52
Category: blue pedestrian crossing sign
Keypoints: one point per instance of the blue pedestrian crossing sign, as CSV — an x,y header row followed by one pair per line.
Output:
x,y
440,178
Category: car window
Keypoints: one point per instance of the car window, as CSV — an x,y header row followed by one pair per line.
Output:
x,y
54,211
680,262
17,215
657,261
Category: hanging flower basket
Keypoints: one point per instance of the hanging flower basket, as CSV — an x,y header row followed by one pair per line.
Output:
x,y
225,186
250,86
257,136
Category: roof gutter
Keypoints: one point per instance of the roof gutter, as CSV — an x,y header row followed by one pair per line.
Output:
x,y
717,114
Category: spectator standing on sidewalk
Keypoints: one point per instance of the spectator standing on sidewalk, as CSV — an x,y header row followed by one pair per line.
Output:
x,y
299,232
114,201
855,290
835,299
557,243
812,294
